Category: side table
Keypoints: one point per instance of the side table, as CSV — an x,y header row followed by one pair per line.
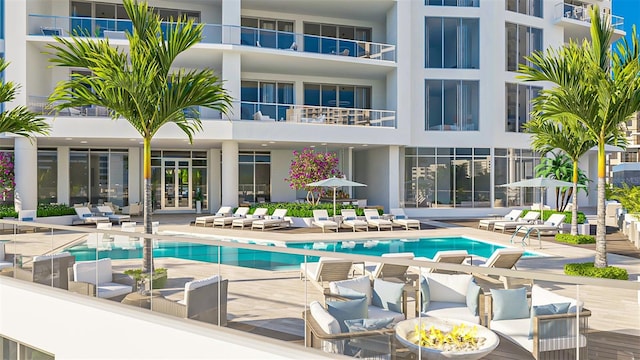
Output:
x,y
140,300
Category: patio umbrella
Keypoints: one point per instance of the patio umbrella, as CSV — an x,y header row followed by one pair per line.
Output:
x,y
541,182
334,183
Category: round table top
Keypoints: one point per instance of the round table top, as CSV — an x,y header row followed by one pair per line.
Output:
x,y
139,299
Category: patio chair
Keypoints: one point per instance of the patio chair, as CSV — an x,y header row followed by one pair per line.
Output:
x,y
7,261
50,270
274,221
374,220
384,270
132,209
96,240
200,301
445,256
513,215
350,219
504,258
85,216
400,218
550,227
528,218
321,220
108,212
325,270
96,278
258,214
240,212
222,212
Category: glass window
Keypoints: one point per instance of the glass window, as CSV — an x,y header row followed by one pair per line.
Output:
x,y
468,3
78,177
452,105
519,105
47,177
452,43
347,96
521,41
527,7
254,177
333,38
119,178
98,176
263,96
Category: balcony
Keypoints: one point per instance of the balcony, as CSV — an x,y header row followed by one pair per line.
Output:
x,y
577,21
114,29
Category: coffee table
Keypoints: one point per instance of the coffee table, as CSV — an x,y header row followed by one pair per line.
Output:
x,y
140,300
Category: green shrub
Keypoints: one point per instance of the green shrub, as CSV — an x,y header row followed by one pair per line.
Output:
x,y
306,210
160,276
567,218
587,269
7,211
575,239
44,210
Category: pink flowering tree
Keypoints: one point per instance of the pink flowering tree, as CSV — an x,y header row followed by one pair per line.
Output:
x,y
309,166
7,183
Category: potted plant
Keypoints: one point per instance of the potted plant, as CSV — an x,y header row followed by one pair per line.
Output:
x,y
198,198
159,278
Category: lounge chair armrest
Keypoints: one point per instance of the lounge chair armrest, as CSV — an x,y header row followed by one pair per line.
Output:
x,y
168,307
122,279
83,288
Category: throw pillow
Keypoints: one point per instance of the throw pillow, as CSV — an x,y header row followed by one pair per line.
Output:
x,y
87,215
360,284
473,292
322,218
368,324
425,295
550,328
387,295
510,304
348,310
349,218
350,293
27,219
400,217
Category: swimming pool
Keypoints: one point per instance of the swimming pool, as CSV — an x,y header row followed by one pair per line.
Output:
x,y
270,260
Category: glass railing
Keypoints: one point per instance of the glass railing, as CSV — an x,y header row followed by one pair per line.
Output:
x,y
256,282
581,13
48,25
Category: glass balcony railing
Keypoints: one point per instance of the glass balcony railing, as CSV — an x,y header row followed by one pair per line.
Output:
x,y
48,25
581,13
286,290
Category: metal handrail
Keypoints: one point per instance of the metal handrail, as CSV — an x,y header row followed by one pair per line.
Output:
x,y
581,13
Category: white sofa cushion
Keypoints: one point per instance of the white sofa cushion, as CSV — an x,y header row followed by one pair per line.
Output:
x,y
360,284
516,329
192,285
541,296
329,325
449,310
448,287
110,289
85,271
50,256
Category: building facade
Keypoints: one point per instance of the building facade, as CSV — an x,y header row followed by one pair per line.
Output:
x,y
419,98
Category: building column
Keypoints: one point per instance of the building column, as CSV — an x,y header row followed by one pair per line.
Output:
x,y
394,176
135,176
229,178
231,13
63,175
231,73
213,181
26,173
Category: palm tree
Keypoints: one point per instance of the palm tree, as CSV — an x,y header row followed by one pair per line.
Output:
x,y
19,120
140,84
571,138
594,86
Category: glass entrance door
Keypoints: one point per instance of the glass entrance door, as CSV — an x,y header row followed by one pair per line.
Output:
x,y
176,184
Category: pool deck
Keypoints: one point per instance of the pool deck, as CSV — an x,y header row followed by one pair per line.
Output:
x,y
616,313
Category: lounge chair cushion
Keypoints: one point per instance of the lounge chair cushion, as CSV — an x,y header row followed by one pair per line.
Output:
x,y
111,289
322,218
448,287
510,304
556,327
387,295
360,284
85,271
348,310
516,329
473,293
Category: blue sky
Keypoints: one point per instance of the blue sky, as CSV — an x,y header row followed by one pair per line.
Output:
x,y
630,11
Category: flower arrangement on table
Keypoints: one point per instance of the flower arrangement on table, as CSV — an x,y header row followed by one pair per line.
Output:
x,y
460,338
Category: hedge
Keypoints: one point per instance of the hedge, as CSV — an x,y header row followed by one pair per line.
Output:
x,y
305,209
43,211
589,270
567,218
576,239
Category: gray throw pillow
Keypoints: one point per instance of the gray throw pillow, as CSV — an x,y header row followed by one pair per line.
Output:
x,y
473,292
348,310
387,295
550,328
510,304
425,294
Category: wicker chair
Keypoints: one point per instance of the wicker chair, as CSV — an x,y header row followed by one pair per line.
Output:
x,y
96,278
50,270
200,301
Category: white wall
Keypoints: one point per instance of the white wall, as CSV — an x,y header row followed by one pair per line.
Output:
x,y
372,168
72,326
280,163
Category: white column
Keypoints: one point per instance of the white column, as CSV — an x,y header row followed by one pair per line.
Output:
x,y
231,12
229,176
26,173
394,176
231,73
135,176
15,24
63,175
214,180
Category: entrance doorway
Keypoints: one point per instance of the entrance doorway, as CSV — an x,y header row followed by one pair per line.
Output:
x,y
176,184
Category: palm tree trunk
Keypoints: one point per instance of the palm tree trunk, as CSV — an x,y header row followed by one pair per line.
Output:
x,y
601,241
147,256
574,209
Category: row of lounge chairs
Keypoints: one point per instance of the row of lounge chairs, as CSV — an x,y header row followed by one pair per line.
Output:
x,y
322,220
525,224
241,218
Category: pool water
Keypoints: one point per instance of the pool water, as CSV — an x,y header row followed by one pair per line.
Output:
x,y
269,260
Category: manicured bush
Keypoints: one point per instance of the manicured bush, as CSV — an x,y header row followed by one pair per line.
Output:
x,y
587,269
575,239
306,210
44,210
567,219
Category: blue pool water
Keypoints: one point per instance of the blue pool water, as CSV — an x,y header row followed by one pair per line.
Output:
x,y
269,260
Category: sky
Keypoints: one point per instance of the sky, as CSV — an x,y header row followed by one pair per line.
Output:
x,y
630,11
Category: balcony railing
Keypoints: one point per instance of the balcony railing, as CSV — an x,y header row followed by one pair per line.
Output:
x,y
48,25
581,13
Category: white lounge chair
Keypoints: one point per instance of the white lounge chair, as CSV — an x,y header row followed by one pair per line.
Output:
x,y
385,270
445,256
276,220
86,216
321,219
350,219
204,220
374,219
325,270
258,214
97,240
550,226
125,242
513,215
108,212
504,258
240,212
400,218
528,218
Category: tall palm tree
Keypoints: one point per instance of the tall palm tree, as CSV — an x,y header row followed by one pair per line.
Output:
x,y
571,138
594,86
140,85
19,120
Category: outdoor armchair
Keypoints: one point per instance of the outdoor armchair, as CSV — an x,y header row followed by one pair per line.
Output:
x,y
50,270
96,278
